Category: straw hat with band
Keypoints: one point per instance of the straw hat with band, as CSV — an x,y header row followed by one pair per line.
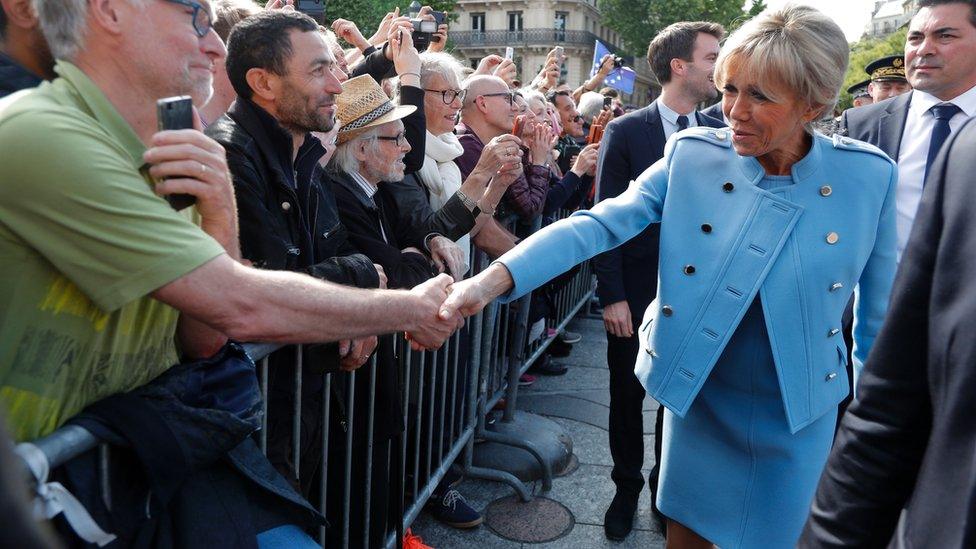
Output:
x,y
362,105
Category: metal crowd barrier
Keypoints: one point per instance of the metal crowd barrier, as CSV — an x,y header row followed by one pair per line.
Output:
x,y
445,394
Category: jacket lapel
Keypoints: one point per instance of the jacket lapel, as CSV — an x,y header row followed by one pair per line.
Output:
x,y
891,125
655,130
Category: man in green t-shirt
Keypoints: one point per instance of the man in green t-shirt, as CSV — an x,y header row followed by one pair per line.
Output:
x,y
104,285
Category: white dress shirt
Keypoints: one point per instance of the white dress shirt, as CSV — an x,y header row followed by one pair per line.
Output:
x,y
914,152
669,118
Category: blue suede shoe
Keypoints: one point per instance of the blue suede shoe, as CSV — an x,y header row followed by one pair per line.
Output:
x,y
451,509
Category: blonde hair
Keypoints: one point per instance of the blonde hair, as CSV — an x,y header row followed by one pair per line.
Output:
x,y
795,48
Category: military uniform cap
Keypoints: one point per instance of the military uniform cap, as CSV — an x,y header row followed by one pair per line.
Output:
x,y
859,90
891,68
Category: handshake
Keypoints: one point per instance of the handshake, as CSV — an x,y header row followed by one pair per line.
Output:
x,y
444,304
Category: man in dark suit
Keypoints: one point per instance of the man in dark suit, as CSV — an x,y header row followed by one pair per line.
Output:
x,y
907,441
911,127
682,57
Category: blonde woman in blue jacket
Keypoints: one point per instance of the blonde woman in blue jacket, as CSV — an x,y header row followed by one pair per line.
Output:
x,y
766,228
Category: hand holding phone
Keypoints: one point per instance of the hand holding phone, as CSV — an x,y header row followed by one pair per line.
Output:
x,y
518,126
596,134
176,113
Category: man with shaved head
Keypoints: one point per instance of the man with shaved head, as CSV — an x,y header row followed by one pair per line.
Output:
x,y
488,113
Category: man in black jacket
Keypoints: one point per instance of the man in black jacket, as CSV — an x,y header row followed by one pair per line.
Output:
x,y
906,442
286,79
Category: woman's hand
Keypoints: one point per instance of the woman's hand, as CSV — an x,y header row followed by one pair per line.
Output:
x,y
467,297
441,42
539,142
507,71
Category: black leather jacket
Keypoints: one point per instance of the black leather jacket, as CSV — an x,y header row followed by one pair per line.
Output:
x,y
285,225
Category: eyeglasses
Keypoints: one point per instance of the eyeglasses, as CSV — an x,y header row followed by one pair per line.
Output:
x,y
448,96
400,138
577,118
202,22
509,96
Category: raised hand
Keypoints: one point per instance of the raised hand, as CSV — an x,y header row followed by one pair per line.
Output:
x,y
439,40
502,151
507,71
348,31
432,326
487,65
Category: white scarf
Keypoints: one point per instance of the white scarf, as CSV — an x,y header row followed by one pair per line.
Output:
x,y
442,177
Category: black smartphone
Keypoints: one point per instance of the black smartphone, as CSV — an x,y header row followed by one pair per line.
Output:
x,y
607,102
176,113
313,8
439,18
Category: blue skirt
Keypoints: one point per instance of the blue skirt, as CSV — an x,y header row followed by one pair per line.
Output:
x,y
730,469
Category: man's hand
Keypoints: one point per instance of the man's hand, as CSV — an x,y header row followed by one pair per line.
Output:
x,y
448,256
606,66
382,275
432,325
487,65
196,165
441,35
328,140
354,353
617,319
348,31
383,31
503,150
585,163
507,71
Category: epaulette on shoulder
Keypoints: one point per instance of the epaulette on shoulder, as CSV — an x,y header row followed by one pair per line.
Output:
x,y
847,143
720,137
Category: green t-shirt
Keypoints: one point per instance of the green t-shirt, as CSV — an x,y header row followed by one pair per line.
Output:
x,y
83,241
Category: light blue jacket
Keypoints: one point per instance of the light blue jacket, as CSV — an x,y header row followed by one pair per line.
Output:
x,y
723,239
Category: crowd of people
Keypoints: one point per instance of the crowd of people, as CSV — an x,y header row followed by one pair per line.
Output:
x,y
332,190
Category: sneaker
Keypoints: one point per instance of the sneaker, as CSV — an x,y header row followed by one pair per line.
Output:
x,y
544,366
526,379
570,337
453,510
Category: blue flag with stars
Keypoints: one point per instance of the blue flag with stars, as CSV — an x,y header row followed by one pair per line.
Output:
x,y
621,79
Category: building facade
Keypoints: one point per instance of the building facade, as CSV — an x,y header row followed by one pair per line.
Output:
x,y
532,28
889,16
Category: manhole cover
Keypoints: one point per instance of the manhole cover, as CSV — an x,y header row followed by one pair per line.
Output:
x,y
537,521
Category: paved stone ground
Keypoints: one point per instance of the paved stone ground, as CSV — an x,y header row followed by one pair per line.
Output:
x,y
578,401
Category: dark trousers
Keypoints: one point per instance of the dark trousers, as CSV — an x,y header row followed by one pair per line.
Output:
x,y
626,417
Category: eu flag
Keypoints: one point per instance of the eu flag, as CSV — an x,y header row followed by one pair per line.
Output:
x,y
621,79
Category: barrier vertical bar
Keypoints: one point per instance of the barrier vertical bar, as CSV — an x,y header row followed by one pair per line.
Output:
x,y
370,417
324,477
296,420
346,489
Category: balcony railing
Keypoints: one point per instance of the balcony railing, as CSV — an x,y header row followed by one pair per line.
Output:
x,y
526,37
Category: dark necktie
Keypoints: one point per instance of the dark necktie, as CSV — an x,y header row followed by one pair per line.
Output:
x,y
682,122
940,131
